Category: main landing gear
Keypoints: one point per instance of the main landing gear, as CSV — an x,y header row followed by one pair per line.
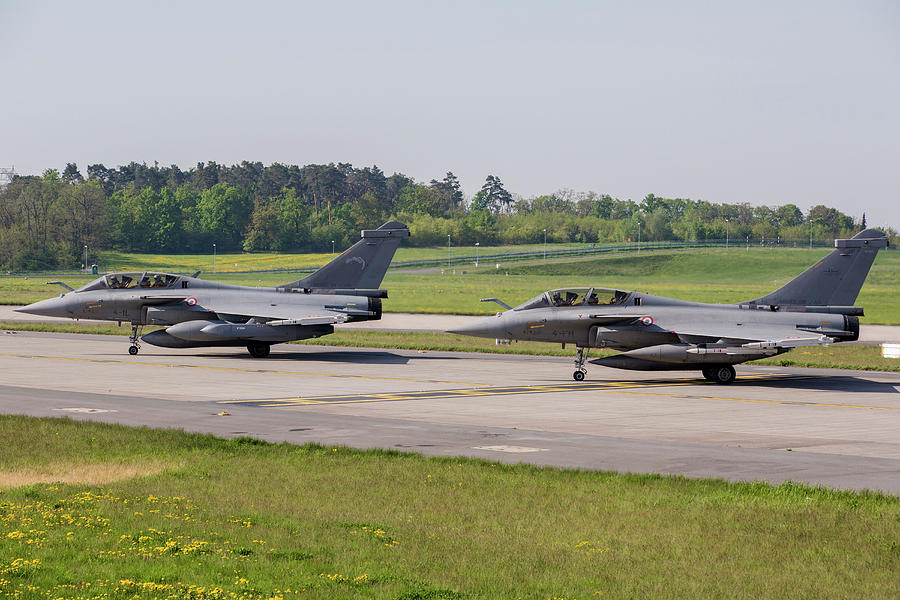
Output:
x,y
580,357
721,374
135,335
258,350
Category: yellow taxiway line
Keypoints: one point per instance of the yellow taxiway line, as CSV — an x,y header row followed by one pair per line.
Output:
x,y
623,387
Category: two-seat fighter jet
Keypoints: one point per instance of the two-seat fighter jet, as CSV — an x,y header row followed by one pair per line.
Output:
x,y
656,333
200,313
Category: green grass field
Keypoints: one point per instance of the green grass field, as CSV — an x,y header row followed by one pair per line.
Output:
x,y
700,275
109,512
224,263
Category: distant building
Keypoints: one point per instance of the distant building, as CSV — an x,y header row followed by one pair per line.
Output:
x,y
6,175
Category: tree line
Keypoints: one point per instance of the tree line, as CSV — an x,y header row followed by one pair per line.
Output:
x,y
46,221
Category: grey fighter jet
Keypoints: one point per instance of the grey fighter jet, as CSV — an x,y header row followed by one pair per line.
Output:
x,y
655,333
196,312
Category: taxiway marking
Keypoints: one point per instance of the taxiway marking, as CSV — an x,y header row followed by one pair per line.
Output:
x,y
601,386
456,393
235,369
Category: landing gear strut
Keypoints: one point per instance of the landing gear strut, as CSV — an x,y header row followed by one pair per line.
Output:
x,y
721,374
258,350
135,335
580,357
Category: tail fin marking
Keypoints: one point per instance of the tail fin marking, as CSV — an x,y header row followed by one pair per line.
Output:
x,y
363,265
836,279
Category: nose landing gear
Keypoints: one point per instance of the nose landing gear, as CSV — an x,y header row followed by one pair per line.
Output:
x,y
133,338
580,371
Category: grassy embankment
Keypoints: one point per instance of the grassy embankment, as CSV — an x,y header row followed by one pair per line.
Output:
x,y
163,514
260,261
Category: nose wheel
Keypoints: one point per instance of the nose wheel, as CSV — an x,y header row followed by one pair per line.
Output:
x,y
133,338
580,357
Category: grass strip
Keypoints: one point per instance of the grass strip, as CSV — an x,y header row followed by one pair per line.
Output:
x,y
242,519
859,358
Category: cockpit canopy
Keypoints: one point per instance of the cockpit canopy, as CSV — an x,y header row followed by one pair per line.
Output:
x,y
576,297
144,279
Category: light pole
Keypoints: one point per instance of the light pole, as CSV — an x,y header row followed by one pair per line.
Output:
x,y
85,258
810,235
639,236
726,234
214,258
476,254
332,247
448,250
545,245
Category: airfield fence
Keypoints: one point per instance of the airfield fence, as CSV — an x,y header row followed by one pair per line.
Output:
x,y
506,257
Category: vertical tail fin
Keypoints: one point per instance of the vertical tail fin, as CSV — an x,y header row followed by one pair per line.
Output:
x,y
363,265
836,279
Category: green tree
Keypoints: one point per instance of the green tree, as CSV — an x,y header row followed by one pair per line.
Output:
x,y
420,199
223,213
71,174
450,191
788,215
262,233
492,196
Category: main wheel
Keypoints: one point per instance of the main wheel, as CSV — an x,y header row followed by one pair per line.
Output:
x,y
133,350
258,350
724,374
709,373
578,375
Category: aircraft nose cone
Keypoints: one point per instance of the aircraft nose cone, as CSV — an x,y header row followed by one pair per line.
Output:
x,y
489,327
53,307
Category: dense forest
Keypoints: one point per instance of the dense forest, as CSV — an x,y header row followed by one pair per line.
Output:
x,y
46,221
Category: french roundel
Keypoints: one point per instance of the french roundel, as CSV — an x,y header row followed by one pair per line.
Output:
x,y
647,321
191,301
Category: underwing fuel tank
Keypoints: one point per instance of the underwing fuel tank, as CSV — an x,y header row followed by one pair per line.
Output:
x,y
686,353
190,333
658,357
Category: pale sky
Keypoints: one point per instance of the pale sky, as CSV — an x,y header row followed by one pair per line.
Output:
x,y
760,102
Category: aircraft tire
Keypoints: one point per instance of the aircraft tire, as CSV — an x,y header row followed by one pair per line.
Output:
x,y
258,350
578,375
709,373
724,374
133,350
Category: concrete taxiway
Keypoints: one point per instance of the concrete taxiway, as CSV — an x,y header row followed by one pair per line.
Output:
x,y
828,427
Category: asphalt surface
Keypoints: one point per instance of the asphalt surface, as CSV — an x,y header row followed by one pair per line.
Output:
x,y
834,428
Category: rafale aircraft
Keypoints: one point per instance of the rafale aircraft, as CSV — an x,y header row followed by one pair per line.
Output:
x,y
197,313
656,333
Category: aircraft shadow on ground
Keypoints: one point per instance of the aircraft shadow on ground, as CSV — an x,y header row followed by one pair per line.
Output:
x,y
831,383
828,383
361,357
